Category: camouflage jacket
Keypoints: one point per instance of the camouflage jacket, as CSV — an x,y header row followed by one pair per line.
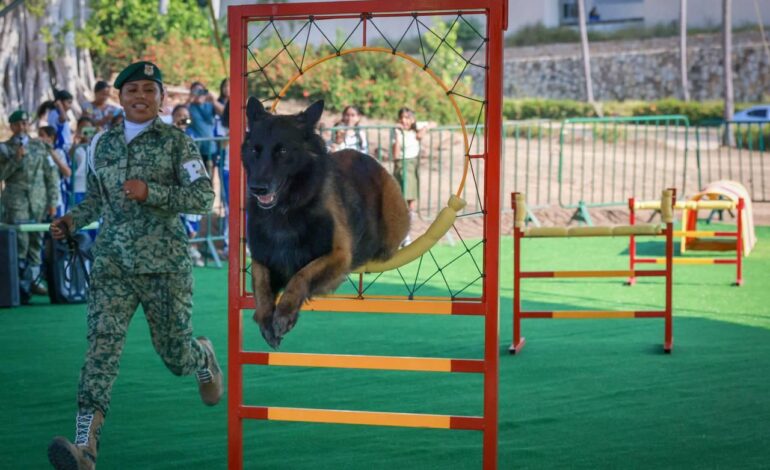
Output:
x,y
144,237
31,183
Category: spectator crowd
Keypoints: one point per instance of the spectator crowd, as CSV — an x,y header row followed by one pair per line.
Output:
x,y
63,137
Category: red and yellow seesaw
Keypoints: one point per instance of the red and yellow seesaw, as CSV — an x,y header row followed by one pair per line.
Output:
x,y
520,231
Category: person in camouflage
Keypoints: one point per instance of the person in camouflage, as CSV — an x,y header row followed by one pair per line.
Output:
x,y
30,195
141,175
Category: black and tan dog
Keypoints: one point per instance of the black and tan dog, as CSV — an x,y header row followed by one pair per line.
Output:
x,y
312,216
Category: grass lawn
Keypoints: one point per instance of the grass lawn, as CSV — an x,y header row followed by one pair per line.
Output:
x,y
582,394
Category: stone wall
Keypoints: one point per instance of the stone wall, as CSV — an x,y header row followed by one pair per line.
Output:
x,y
637,70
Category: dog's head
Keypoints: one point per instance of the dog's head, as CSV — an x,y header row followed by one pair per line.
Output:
x,y
279,150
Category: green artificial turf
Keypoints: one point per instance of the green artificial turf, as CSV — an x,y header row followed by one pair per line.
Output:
x,y
582,394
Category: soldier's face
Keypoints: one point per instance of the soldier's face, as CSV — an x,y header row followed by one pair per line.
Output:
x,y
141,100
19,127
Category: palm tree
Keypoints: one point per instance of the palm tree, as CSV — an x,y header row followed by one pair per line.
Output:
x,y
727,50
586,56
683,49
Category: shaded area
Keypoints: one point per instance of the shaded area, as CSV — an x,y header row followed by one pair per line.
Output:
x,y
582,394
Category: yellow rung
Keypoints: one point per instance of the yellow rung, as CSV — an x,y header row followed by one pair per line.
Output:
x,y
714,205
360,362
593,274
687,260
694,233
575,314
607,231
409,420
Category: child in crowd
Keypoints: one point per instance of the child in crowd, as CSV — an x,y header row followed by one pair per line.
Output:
x,y
406,157
348,135
100,109
83,135
180,118
57,159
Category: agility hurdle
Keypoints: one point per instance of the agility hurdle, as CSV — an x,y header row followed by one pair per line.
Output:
x,y
520,231
368,15
716,196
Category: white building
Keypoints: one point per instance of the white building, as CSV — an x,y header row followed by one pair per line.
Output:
x,y
612,13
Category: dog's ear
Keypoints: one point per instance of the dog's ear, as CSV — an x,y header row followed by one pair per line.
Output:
x,y
312,114
254,109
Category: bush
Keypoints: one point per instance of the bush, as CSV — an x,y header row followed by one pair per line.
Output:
x,y
545,109
752,136
696,112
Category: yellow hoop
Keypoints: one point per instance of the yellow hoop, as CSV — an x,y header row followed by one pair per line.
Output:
x,y
416,62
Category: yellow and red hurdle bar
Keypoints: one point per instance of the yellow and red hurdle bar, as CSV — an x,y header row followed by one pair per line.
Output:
x,y
519,231
635,206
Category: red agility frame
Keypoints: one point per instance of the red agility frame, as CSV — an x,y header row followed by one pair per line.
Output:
x,y
634,259
486,305
518,314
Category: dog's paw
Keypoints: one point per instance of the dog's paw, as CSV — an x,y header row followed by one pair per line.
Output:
x,y
284,322
265,323
271,338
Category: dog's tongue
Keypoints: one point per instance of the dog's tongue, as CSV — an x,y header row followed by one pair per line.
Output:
x,y
266,198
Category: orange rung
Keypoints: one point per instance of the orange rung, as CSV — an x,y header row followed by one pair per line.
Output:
x,y
343,361
370,418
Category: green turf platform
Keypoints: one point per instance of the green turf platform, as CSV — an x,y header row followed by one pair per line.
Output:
x,y
582,394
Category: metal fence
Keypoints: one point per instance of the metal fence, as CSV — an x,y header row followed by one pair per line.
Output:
x,y
590,162
745,160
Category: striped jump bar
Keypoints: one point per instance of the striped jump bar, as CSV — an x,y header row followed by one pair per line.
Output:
x,y
703,233
687,260
375,305
573,274
585,314
343,361
369,418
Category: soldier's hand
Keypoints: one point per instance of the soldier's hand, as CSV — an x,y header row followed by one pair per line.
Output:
x,y
62,226
20,152
135,190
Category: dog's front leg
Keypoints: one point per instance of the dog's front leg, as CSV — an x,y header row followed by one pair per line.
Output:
x,y
264,299
317,277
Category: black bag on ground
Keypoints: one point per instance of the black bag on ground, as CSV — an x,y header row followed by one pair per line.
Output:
x,y
67,267
9,268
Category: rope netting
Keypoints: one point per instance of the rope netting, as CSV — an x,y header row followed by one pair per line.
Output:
x,y
282,52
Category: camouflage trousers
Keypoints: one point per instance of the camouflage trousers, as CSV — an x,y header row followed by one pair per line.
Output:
x,y
167,303
29,245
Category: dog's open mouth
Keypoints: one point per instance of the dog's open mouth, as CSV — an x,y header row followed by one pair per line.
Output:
x,y
267,201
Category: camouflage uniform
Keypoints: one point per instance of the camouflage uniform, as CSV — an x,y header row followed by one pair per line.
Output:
x,y
140,254
31,187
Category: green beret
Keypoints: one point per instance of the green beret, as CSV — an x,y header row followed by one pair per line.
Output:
x,y
18,115
139,71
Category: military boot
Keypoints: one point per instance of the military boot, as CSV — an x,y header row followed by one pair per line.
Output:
x,y
80,455
210,377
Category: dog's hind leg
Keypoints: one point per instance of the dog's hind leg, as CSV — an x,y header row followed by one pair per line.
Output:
x,y
264,298
395,217
320,276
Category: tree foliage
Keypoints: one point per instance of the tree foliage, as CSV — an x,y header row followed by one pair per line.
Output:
x,y
121,31
377,83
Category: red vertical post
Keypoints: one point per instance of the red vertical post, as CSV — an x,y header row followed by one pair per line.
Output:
x,y
493,131
739,245
668,343
518,341
234,287
631,242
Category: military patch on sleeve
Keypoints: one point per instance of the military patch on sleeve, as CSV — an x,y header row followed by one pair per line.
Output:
x,y
195,169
